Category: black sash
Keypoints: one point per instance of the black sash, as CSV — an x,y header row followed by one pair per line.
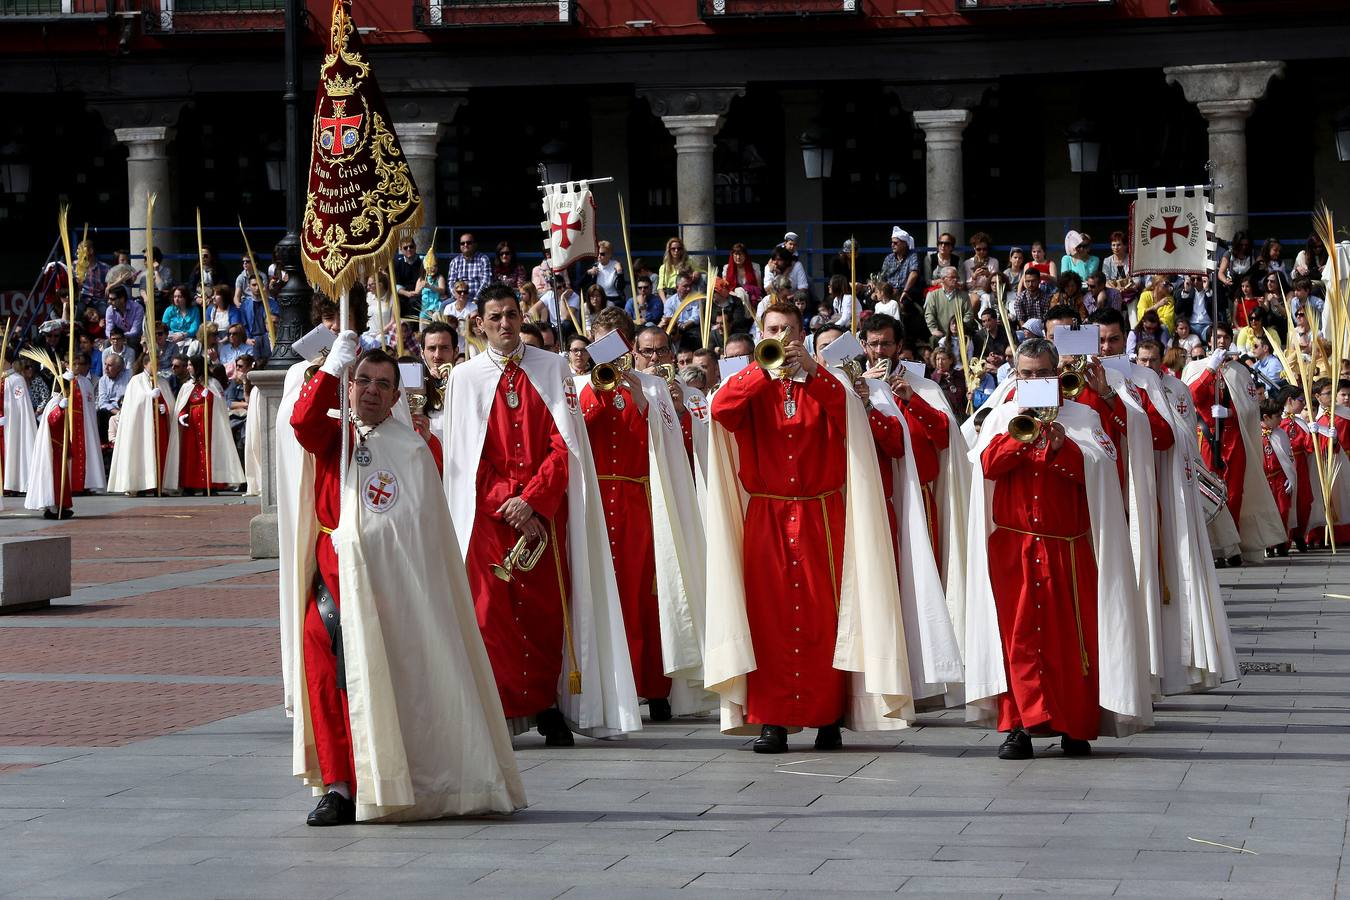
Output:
x,y
332,623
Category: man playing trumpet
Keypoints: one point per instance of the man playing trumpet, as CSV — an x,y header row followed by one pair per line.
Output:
x,y
524,498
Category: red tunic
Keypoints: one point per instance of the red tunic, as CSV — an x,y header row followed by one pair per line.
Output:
x,y
524,456
1275,477
890,444
1161,432
1232,462
1033,577
56,423
194,438
1342,531
793,469
321,435
1300,445
619,444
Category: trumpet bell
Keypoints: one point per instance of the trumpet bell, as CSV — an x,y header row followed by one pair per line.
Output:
x,y
605,377
665,371
771,353
1071,384
1024,428
501,572
520,558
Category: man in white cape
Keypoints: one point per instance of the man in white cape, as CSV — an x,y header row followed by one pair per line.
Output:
x,y
135,465
655,528
1258,520
1066,602
20,425
805,627
518,469
396,717
1197,646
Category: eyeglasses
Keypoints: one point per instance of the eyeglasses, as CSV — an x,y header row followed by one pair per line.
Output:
x,y
653,352
879,345
466,243
460,291
940,243
506,255
576,349
365,381
407,246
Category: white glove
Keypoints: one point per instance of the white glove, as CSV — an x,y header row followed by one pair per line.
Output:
x,y
342,354
155,392
183,420
61,403
68,375
1219,412
1325,430
1217,358
163,409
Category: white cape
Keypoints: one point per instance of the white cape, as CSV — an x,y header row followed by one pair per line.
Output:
x,y
1259,520
428,735
133,458
1339,507
870,639
931,642
1317,514
253,441
1197,644
1123,680
225,466
607,705
41,491
95,476
20,432
678,541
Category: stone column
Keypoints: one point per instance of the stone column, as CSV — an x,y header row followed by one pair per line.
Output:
x,y
1226,94
145,128
421,114
693,116
943,110
147,173
944,177
419,140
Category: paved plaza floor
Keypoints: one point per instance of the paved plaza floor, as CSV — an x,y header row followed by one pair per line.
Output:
x,y
144,754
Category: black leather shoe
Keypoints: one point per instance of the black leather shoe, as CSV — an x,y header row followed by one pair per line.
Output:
x,y
67,513
1220,563
553,727
1235,561
829,738
1074,746
48,514
1301,544
1017,745
333,809
772,739
659,709
1282,551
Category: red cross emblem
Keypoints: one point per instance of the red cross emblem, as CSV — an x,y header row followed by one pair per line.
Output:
x,y
564,225
338,133
570,392
699,409
1169,233
380,491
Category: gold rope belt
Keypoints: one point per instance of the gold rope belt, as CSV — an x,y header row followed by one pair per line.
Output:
x,y
324,529
636,479
574,673
825,517
1073,572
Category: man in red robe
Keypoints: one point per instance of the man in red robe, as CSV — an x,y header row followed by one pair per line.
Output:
x,y
616,422
373,392
1221,438
1044,578
195,453
1273,446
521,491
1300,446
62,486
790,432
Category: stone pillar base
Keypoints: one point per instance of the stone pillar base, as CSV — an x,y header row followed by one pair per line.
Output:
x,y
263,538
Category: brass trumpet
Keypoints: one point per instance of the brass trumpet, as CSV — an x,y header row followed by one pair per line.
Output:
x,y
1072,378
666,371
417,402
520,558
606,376
771,354
312,370
1027,427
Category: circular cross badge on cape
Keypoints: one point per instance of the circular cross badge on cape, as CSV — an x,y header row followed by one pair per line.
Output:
x,y
379,491
570,392
1105,442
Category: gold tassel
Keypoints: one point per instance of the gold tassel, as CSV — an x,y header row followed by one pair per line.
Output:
x,y
574,674
574,682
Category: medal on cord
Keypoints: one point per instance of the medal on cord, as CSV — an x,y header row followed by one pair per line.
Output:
x,y
789,404
512,398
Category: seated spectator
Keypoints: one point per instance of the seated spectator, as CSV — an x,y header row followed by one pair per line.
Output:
x,y
1017,261
183,317
236,399
1150,328
461,306
607,273
117,346
1184,338
945,255
112,387
1042,264
223,313
1078,255
653,309
124,313
740,271
236,346
980,260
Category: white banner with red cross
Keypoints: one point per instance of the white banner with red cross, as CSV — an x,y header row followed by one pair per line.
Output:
x,y
1171,231
569,223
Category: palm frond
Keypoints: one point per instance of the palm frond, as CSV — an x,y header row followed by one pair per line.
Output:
x,y
43,358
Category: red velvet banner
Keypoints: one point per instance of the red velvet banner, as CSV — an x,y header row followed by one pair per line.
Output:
x,y
362,199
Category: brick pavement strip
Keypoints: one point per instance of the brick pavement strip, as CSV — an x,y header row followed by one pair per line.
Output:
x,y
168,809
